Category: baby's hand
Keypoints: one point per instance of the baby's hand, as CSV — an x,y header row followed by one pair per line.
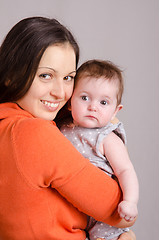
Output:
x,y
127,210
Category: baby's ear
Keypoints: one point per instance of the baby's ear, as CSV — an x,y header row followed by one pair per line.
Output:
x,y
119,107
114,120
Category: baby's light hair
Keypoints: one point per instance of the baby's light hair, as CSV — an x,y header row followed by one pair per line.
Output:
x,y
100,68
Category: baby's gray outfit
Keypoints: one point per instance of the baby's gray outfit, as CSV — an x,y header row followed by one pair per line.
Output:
x,y
87,141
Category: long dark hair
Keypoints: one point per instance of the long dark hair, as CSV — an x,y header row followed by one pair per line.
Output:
x,y
21,51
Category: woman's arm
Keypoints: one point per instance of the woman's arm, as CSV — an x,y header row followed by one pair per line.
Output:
x,y
53,161
117,155
93,192
50,160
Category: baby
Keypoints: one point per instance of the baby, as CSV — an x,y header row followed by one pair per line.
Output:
x,y
99,136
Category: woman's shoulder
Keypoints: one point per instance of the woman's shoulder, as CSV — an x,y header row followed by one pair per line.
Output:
x,y
33,124
41,150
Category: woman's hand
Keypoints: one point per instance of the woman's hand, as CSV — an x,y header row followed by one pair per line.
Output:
x,y
128,236
125,236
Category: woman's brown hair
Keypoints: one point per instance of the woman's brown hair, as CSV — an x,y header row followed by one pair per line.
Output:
x,y
21,51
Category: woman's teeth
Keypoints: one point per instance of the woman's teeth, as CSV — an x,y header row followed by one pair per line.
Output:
x,y
49,104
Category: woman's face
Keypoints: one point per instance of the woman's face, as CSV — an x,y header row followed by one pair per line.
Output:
x,y
53,82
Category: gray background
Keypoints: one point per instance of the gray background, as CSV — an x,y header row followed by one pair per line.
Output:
x,y
126,32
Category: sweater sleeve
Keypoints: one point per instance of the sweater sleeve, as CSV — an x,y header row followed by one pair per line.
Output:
x,y
45,158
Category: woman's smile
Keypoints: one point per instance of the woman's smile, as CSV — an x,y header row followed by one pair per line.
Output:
x,y
51,106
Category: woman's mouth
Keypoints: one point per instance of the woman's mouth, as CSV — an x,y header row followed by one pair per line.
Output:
x,y
50,105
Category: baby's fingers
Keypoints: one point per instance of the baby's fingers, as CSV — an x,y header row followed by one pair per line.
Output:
x,y
127,210
126,217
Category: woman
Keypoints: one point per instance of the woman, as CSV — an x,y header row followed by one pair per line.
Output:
x,y
46,185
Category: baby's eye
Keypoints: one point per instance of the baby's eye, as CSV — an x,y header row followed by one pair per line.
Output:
x,y
85,98
45,76
104,102
69,78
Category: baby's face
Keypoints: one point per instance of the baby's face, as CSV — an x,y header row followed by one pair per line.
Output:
x,y
94,102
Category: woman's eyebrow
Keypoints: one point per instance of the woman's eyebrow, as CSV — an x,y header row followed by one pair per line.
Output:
x,y
73,72
56,71
48,68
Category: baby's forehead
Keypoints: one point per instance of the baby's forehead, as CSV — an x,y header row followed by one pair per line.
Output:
x,y
91,78
100,85
97,82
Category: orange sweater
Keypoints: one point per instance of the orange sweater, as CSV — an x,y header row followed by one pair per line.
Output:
x,y
45,184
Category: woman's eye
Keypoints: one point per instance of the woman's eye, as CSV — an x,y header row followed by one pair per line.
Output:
x,y
69,78
104,102
45,76
85,98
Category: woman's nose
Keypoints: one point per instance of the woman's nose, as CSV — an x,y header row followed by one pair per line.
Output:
x,y
58,89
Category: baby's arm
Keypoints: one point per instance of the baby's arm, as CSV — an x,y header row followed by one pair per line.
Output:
x,y
116,153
